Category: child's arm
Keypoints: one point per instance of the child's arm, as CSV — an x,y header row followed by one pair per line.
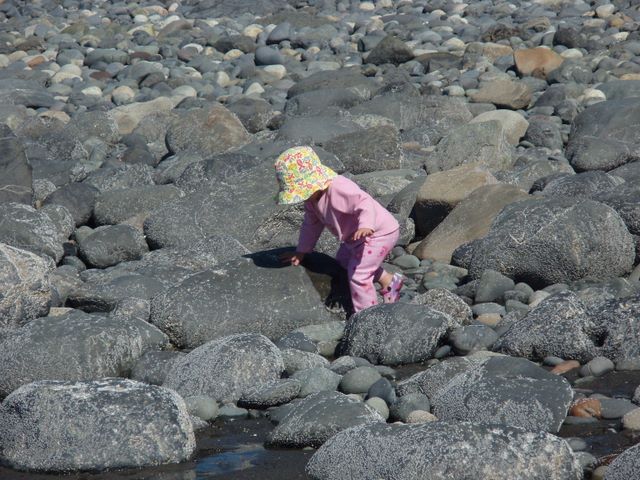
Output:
x,y
349,198
309,231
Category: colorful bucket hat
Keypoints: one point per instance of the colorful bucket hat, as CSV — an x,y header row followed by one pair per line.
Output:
x,y
300,174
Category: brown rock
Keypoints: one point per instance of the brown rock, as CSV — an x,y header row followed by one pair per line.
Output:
x,y
493,51
504,93
537,62
586,407
565,367
468,221
442,191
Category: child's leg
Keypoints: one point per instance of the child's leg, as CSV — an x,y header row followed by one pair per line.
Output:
x,y
343,255
364,268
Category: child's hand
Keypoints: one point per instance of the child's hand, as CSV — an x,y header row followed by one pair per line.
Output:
x,y
361,233
294,258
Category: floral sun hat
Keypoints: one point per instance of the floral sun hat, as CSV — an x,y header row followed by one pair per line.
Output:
x,y
300,174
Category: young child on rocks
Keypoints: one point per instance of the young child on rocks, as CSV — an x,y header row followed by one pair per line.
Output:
x,y
366,230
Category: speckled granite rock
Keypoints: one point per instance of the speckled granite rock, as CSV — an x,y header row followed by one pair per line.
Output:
x,y
147,425
443,450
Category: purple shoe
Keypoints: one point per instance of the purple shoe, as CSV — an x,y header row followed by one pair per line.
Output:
x,y
391,294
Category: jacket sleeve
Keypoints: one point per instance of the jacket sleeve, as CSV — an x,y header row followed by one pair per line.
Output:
x,y
352,200
310,231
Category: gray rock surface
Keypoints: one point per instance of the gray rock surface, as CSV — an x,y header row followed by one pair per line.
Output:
x,y
151,427
602,137
23,227
24,285
75,346
624,466
207,131
270,394
217,304
542,242
446,302
15,170
505,390
116,206
560,325
444,450
315,419
111,244
225,368
397,333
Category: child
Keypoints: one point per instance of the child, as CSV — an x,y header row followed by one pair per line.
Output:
x,y
366,230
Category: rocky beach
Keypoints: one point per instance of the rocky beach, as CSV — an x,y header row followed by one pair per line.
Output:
x,y
148,328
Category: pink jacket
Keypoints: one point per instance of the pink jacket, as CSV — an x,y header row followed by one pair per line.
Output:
x,y
343,209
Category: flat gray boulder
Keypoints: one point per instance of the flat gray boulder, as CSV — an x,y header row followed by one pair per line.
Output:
x,y
24,227
256,294
585,184
559,326
604,136
15,170
24,285
74,346
53,426
214,209
397,333
224,369
619,319
116,206
443,450
624,199
316,418
424,119
554,240
537,400
111,244
430,381
482,143
368,150
206,131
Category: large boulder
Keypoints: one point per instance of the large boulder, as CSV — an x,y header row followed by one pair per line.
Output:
x,y
116,206
214,209
111,244
442,191
430,381
624,199
316,418
224,369
74,346
483,143
603,136
390,50
618,321
376,148
504,93
25,291
24,227
424,119
469,220
513,123
585,184
207,131
345,78
257,294
537,400
397,333
541,242
53,426
558,326
78,198
625,465
15,170
443,450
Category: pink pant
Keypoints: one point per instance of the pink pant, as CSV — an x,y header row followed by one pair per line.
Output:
x,y
362,260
